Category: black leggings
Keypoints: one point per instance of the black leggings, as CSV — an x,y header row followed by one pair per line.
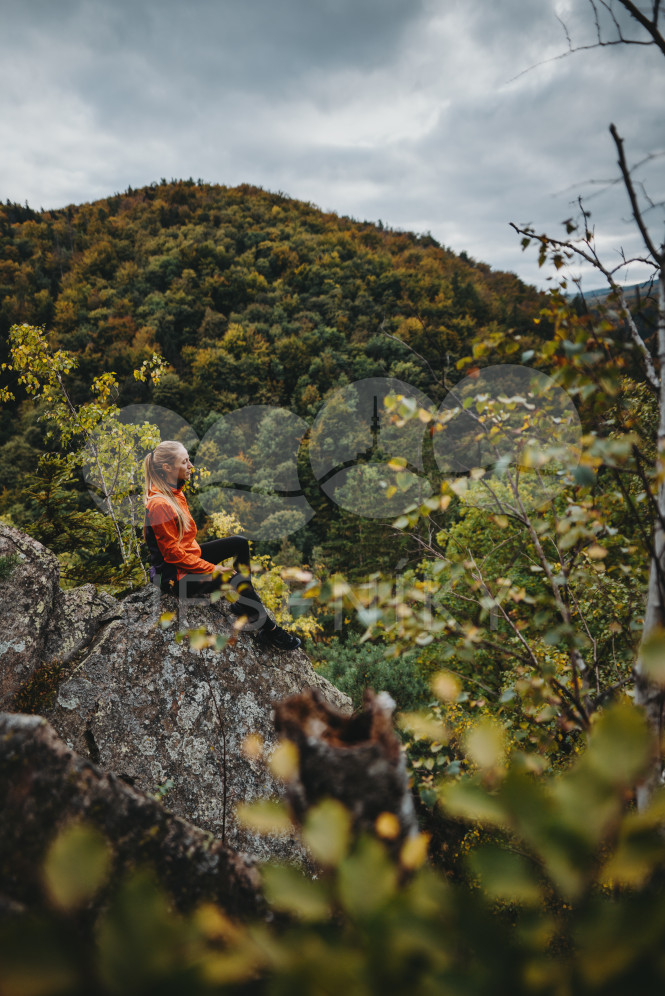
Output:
x,y
196,585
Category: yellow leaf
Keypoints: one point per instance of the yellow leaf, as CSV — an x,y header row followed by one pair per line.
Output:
x,y
296,574
414,851
485,744
387,826
459,486
284,761
252,746
264,816
77,865
446,686
424,728
216,925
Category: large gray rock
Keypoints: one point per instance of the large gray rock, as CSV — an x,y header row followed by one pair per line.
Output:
x,y
159,713
164,717
167,717
39,622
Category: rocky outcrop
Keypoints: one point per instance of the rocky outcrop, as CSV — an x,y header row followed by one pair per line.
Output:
x,y
39,622
160,713
163,716
44,787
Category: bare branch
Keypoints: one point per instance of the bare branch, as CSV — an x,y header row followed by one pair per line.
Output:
x,y
630,190
610,11
653,499
565,31
608,182
573,699
650,26
580,48
592,639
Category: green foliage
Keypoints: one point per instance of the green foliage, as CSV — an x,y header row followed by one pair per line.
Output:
x,y
89,436
544,878
76,867
533,598
7,564
353,667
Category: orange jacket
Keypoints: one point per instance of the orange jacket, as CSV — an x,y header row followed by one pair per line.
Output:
x,y
185,553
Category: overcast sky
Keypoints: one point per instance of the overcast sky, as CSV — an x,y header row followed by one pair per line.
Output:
x,y
408,111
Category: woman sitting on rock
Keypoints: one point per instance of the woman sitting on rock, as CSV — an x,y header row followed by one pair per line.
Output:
x,y
178,564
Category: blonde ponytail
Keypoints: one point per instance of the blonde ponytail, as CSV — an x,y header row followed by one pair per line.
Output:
x,y
154,479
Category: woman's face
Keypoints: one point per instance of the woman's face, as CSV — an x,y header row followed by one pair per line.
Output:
x,y
181,468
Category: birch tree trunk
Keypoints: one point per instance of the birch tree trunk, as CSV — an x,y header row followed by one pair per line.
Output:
x,y
649,694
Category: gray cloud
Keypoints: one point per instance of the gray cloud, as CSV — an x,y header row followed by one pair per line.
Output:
x,y
412,112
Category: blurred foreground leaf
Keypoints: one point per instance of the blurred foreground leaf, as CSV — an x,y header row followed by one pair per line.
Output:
x,y
367,878
290,892
143,945
327,830
77,864
264,816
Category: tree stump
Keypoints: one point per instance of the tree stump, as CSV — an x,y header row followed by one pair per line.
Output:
x,y
355,759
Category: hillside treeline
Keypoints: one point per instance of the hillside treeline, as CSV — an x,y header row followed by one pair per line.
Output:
x,y
252,298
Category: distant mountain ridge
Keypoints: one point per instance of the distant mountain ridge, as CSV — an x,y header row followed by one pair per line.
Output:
x,y
631,291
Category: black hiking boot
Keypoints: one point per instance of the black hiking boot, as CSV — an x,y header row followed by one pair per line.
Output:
x,y
278,638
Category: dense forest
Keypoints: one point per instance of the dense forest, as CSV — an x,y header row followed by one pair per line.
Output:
x,y
252,298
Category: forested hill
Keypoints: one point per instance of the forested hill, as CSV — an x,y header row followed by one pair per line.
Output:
x,y
251,296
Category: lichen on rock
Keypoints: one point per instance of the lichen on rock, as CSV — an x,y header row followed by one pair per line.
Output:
x,y
40,624
120,689
158,710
